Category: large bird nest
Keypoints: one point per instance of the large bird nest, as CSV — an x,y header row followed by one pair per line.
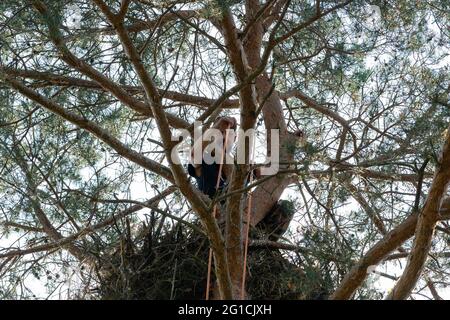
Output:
x,y
174,266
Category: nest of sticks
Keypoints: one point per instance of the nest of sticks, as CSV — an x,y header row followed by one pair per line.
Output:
x,y
173,265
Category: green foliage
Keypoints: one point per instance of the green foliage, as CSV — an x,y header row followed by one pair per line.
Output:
x,y
381,65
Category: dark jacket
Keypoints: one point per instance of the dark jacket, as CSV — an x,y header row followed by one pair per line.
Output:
x,y
208,179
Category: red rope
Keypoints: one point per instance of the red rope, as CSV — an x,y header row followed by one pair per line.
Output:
x,y
247,229
244,270
208,278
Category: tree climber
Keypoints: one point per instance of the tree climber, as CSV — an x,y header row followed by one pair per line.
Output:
x,y
277,220
205,174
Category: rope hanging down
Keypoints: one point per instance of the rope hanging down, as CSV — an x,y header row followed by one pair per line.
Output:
x,y
208,278
247,224
247,229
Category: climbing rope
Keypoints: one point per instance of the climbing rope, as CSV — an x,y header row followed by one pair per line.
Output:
x,y
247,224
247,229
208,278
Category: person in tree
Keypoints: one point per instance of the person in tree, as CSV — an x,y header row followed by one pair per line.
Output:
x,y
206,174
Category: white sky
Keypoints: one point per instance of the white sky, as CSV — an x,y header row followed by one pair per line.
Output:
x,y
139,191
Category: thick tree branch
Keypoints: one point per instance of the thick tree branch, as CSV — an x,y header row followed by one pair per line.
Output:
x,y
391,241
178,172
425,226
248,106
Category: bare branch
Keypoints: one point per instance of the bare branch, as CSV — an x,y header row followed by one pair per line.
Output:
x,y
179,175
